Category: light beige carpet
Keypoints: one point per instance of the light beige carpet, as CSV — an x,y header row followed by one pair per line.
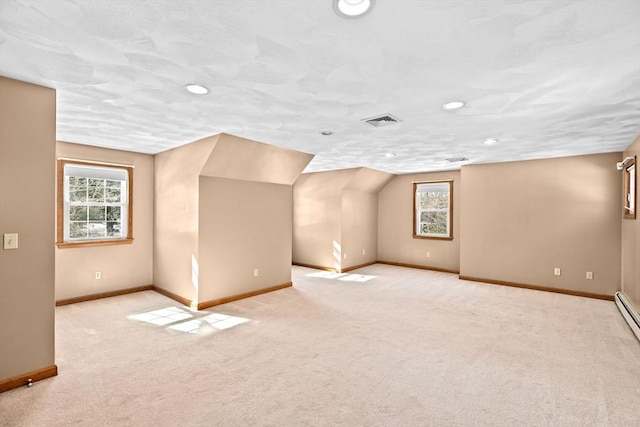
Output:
x,y
385,346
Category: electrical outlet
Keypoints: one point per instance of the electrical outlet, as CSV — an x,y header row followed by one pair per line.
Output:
x,y
256,272
11,241
345,256
98,275
556,271
428,254
364,252
590,275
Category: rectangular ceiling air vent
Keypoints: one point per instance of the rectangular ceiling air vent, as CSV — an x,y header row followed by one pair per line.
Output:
x,y
382,120
457,159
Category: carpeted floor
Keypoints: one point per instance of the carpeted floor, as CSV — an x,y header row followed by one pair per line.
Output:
x,y
384,346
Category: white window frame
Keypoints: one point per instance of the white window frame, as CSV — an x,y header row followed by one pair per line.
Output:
x,y
100,171
630,190
424,188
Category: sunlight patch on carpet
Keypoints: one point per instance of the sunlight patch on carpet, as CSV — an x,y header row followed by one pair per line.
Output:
x,y
357,278
193,322
162,317
327,274
342,276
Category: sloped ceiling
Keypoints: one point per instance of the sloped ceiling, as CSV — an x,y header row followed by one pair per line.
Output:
x,y
354,179
242,159
546,78
369,181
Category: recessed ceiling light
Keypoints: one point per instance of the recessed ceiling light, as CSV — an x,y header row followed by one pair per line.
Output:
x,y
326,133
389,155
490,141
351,9
453,105
197,89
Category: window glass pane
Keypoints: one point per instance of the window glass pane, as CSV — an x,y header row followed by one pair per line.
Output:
x,y
114,213
78,195
113,195
424,200
96,213
442,201
96,190
76,181
114,229
97,229
77,213
441,216
77,230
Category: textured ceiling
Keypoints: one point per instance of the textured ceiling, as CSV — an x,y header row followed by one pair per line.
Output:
x,y
547,78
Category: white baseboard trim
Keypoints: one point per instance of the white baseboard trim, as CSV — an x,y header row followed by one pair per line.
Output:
x,y
628,312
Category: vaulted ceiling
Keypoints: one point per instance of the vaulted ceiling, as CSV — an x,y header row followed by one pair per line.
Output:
x,y
545,78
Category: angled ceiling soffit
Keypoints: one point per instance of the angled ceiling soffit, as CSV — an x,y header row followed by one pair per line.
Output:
x,y
185,160
353,179
333,181
238,158
369,180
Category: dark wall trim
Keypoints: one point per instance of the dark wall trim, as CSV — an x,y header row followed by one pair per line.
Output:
x,y
421,267
219,301
29,377
539,288
103,295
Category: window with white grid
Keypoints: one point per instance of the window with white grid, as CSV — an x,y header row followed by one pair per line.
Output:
x,y
433,207
95,203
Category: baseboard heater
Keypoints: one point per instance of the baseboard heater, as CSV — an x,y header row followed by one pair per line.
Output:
x,y
628,312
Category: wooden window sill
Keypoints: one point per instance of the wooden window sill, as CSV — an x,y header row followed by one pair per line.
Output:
x,y
415,236
86,243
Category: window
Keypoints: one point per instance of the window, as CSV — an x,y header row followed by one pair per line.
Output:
x,y
433,209
630,188
94,204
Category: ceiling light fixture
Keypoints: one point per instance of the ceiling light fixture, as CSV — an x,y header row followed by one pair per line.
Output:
x,y
351,9
389,155
453,105
490,141
196,89
326,133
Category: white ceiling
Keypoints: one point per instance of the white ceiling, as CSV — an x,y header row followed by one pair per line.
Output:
x,y
547,78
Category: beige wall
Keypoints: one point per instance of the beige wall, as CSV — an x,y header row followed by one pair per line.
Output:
x,y
176,190
27,185
225,164
520,220
631,242
359,226
335,217
395,225
243,226
121,266
317,199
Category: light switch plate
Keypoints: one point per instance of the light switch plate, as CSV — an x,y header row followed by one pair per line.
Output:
x,y
11,241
